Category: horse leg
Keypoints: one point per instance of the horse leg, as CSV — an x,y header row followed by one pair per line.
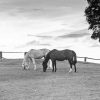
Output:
x,y
28,64
34,63
75,67
55,66
23,64
70,67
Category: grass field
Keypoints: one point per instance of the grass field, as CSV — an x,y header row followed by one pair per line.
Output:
x,y
18,84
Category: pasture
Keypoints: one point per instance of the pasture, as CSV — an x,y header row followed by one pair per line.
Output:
x,y
18,84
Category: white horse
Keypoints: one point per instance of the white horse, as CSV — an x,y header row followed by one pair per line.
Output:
x,y
33,54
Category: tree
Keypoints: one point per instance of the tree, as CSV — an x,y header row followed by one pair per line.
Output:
x,y
92,13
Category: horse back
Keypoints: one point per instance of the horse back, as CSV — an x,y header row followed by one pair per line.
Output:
x,y
69,53
57,55
62,54
38,54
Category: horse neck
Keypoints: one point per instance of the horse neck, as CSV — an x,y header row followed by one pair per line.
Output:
x,y
26,57
47,57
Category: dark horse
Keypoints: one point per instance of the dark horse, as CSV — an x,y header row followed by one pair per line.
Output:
x,y
60,55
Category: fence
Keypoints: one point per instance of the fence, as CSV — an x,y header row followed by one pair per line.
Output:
x,y
85,58
1,54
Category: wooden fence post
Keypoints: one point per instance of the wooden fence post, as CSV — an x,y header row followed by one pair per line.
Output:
x,y
85,58
0,55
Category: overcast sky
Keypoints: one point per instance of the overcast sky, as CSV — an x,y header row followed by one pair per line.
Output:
x,y
60,24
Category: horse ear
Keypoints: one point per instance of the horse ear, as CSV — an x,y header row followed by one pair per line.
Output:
x,y
25,53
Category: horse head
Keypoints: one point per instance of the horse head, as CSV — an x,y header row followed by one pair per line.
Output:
x,y
44,64
25,63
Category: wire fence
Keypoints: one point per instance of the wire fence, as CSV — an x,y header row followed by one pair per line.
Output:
x,y
84,59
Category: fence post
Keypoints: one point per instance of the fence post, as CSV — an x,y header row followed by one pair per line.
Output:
x,y
85,58
0,55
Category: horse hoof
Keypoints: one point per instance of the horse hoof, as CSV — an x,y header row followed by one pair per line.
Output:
x,y
24,69
75,71
70,70
34,69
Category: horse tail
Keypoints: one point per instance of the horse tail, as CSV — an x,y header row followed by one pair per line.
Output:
x,y
26,56
74,58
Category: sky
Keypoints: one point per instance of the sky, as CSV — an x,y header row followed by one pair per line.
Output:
x,y
52,24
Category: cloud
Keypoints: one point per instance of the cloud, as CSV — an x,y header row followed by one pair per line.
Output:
x,y
64,47
41,3
46,20
76,34
95,45
33,43
41,36
45,44
40,8
37,43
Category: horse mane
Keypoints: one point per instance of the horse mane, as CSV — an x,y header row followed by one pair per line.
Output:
x,y
47,56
